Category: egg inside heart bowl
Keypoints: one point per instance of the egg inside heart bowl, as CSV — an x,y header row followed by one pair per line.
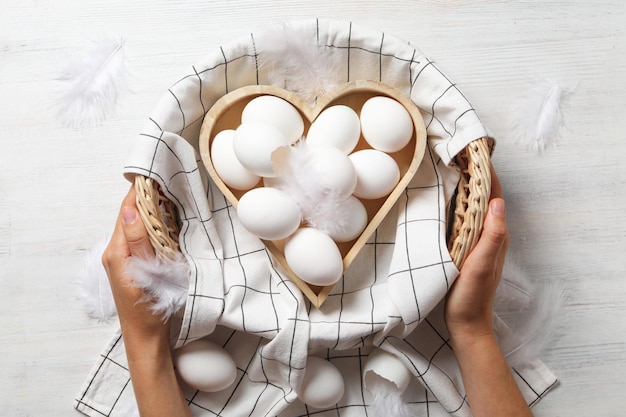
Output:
x,y
313,183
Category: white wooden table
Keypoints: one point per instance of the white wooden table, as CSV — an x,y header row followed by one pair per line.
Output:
x,y
60,187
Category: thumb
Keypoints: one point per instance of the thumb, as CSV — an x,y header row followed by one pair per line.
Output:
x,y
135,233
494,232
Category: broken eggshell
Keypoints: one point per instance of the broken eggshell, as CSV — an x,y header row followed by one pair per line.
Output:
x,y
382,364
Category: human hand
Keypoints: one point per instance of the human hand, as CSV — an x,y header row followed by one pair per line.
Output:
x,y
489,384
468,310
146,335
130,239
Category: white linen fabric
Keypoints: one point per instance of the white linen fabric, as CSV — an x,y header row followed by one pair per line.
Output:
x,y
390,298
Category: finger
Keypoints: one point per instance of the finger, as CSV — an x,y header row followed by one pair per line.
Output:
x,y
117,249
118,241
118,232
496,187
133,228
494,233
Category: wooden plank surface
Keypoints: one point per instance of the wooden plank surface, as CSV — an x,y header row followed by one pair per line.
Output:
x,y
60,187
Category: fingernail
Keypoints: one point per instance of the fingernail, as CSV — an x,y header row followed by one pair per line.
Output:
x,y
497,207
129,215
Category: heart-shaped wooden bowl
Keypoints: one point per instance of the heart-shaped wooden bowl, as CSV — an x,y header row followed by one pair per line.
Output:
x,y
226,114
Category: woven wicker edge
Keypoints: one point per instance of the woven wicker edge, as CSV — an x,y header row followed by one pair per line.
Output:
x,y
469,206
471,201
159,216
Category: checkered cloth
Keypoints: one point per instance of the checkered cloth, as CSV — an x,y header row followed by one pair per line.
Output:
x,y
391,296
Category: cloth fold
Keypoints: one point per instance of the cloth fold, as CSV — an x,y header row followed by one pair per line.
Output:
x,y
391,296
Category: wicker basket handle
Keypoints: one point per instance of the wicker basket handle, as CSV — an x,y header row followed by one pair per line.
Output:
x,y
467,216
159,216
471,201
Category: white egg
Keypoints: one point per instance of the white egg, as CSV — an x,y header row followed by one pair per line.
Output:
x,y
205,366
377,173
323,384
338,126
382,364
332,170
254,143
353,214
314,257
277,112
269,213
386,124
227,165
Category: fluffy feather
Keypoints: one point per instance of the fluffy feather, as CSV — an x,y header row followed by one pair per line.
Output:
x,y
387,399
540,326
293,60
515,290
321,208
165,282
96,292
91,82
531,313
538,117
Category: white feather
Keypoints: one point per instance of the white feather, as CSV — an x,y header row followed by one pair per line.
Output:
x,y
538,116
91,82
539,327
387,400
294,61
531,312
321,208
95,291
514,293
165,282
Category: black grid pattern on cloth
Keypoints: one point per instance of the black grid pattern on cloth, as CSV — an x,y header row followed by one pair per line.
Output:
x,y
113,363
239,298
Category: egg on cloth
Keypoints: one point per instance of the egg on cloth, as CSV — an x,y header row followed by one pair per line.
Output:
x,y
205,366
323,384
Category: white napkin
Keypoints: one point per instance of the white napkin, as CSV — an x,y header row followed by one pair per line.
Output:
x,y
391,297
